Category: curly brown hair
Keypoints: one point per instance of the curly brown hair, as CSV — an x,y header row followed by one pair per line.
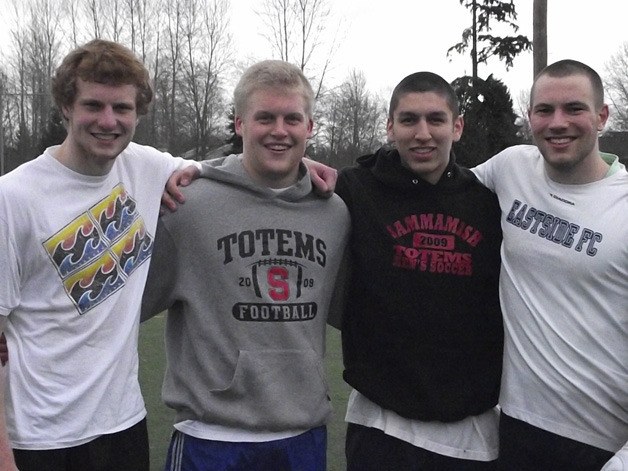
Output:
x,y
105,62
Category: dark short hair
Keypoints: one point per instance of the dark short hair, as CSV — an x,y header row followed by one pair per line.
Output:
x,y
569,67
104,62
421,82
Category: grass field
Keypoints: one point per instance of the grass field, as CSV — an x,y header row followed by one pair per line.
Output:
x,y
160,418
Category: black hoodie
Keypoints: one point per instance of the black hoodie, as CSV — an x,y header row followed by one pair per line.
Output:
x,y
422,330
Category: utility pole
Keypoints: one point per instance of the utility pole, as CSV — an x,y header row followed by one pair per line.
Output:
x,y
2,165
539,36
1,149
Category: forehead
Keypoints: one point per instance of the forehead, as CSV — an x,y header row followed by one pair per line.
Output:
x,y
422,103
105,92
561,90
277,100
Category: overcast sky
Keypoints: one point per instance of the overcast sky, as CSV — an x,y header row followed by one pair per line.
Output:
x,y
389,39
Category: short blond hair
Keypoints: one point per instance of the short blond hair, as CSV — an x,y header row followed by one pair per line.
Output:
x,y
272,74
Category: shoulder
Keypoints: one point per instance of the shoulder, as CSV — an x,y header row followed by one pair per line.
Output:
x,y
352,178
471,180
515,155
139,151
506,163
147,163
20,179
336,202
331,208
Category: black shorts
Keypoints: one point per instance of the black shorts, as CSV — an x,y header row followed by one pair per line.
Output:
x,y
125,450
524,447
370,449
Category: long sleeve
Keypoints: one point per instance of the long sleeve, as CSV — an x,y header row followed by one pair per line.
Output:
x,y
161,275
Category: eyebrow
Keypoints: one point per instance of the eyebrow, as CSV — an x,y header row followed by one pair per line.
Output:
x,y
265,113
561,105
433,114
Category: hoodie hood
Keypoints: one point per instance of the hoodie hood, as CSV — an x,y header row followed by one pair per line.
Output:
x,y
385,165
230,169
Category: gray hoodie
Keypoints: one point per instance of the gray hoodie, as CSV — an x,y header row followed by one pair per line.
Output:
x,y
247,274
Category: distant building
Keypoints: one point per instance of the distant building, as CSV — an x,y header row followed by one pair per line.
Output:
x,y
220,151
615,142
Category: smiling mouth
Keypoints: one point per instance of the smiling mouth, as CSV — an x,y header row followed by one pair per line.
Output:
x,y
105,136
278,147
422,151
560,140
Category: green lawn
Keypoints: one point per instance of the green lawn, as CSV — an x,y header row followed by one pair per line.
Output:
x,y
160,418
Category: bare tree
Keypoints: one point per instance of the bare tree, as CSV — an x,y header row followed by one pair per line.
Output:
x,y
43,47
72,11
278,18
94,12
116,19
354,121
168,82
184,43
144,37
3,106
616,84
296,30
20,81
207,53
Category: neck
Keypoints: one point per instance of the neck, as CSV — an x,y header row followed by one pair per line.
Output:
x,y
71,157
590,170
274,180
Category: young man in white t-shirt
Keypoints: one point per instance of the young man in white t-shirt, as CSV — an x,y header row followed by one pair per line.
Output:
x,y
76,235
563,283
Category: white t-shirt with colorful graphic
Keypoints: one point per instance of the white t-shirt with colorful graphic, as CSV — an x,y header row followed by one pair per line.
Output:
x,y
73,252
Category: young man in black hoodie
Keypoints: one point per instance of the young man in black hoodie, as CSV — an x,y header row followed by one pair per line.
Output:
x,y
421,328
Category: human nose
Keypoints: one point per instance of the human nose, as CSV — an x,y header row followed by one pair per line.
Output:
x,y
422,131
107,118
279,128
558,120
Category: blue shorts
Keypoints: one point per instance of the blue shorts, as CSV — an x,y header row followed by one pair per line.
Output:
x,y
305,452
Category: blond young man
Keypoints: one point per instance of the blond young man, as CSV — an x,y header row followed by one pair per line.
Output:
x,y
246,269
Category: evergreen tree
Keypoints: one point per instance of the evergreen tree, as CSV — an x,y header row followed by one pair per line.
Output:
x,y
489,119
234,140
54,133
477,36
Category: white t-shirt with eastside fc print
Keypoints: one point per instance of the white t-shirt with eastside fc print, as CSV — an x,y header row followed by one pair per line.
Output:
x,y
563,286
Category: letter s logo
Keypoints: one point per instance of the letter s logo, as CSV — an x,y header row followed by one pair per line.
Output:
x,y
280,289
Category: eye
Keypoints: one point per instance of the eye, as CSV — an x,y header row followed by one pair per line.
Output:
x,y
575,109
408,119
123,109
92,105
437,120
543,110
294,119
264,118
